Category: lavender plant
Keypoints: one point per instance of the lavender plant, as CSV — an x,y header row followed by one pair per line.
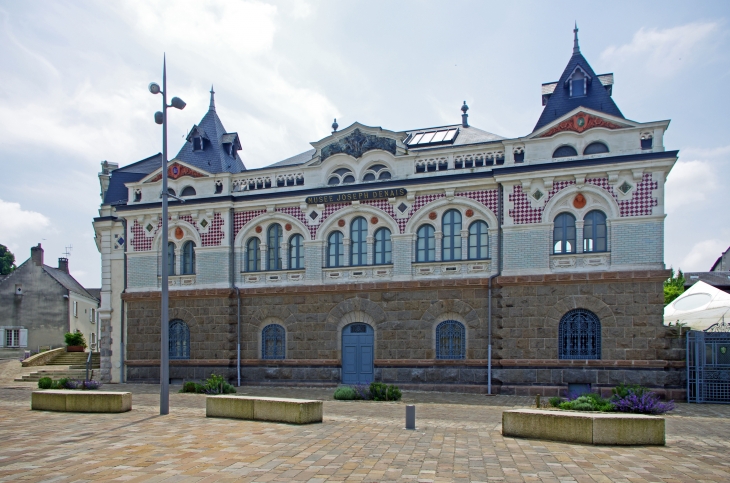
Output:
x,y
645,403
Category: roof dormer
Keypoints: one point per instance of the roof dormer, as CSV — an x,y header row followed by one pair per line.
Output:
x,y
198,138
231,144
577,82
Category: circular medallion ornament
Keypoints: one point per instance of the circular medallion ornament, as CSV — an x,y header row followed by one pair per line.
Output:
x,y
259,229
179,233
432,215
580,122
469,213
287,227
374,220
341,223
175,170
579,201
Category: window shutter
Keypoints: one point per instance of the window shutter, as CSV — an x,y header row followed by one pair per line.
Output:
x,y
23,337
2,337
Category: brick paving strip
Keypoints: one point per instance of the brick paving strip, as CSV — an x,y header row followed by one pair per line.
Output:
x,y
458,439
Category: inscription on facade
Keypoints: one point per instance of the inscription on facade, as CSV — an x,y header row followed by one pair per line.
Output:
x,y
356,196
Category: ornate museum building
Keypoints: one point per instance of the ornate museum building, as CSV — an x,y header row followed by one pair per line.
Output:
x,y
403,256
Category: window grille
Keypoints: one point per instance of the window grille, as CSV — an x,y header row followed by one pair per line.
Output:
x,y
425,244
273,342
274,247
171,258
188,258
478,241
594,232
450,340
335,250
383,247
564,234
579,335
253,255
296,252
358,329
358,242
451,227
179,340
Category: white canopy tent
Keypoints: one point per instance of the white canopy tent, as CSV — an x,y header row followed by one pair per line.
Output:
x,y
699,308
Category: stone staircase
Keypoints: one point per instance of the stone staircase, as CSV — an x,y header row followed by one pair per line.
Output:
x,y
71,365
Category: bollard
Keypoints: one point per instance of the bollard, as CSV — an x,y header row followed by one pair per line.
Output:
x,y
411,417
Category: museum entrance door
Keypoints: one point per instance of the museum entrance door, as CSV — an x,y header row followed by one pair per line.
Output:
x,y
357,354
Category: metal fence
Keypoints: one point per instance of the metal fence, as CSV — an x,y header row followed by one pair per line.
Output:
x,y
708,366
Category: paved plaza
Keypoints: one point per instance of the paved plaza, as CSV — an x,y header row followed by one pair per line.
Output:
x,y
458,438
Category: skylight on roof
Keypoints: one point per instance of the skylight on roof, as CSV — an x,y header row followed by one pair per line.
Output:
x,y
440,136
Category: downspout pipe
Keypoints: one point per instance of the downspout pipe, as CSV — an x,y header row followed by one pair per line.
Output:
x,y
489,290
232,276
123,305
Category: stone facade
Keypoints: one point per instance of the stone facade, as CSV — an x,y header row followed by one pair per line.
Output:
x,y
526,311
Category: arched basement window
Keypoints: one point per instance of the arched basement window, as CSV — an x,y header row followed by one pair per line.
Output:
x,y
273,342
179,340
564,234
383,247
274,239
594,232
450,340
579,335
425,244
564,152
188,258
595,148
451,242
253,255
358,242
296,252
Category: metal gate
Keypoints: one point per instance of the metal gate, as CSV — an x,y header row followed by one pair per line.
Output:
x,y
708,366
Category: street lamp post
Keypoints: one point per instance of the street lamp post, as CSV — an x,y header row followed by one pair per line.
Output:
x,y
161,118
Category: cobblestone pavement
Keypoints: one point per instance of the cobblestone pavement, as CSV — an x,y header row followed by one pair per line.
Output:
x,y
458,438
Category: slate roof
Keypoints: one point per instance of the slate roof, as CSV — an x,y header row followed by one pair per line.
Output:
x,y
596,98
67,281
718,279
300,158
213,158
95,292
117,193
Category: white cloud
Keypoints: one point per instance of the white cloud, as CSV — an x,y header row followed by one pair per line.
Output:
x,y
20,228
702,255
689,184
663,52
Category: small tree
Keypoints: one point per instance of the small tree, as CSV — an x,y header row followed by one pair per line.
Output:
x,y
7,260
673,286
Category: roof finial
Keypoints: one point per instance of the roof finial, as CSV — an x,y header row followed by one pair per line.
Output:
x,y
464,116
335,126
576,47
212,99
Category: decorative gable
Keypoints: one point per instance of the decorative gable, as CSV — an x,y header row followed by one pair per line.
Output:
x,y
177,170
358,143
579,123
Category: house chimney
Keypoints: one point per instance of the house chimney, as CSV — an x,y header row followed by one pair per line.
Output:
x,y
63,264
36,254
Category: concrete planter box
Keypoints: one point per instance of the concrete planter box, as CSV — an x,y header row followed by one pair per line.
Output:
x,y
75,348
78,401
281,410
584,427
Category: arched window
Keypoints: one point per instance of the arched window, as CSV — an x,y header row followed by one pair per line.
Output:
x,y
478,240
595,148
188,258
188,191
564,234
451,244
564,152
358,242
273,342
341,176
171,191
383,247
170,258
450,340
425,244
273,248
376,172
253,255
594,232
335,250
179,337
579,335
296,252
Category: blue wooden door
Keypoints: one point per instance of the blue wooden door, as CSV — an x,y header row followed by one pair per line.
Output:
x,y
357,354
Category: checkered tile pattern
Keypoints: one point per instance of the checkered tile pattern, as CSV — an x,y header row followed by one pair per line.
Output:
x,y
214,236
242,217
329,210
641,201
296,212
140,241
383,205
489,198
422,201
523,213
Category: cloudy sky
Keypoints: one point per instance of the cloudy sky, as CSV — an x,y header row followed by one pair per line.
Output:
x,y
74,75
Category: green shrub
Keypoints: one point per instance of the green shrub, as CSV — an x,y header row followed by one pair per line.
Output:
x,y
45,383
216,384
75,338
555,401
193,387
588,402
379,391
346,393
623,390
